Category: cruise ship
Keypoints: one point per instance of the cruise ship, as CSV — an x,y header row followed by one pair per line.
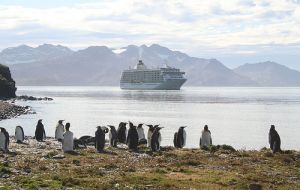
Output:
x,y
142,78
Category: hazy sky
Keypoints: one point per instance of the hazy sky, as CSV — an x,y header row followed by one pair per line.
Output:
x,y
235,32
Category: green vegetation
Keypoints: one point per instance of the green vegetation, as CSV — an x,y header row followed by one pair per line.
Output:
x,y
219,167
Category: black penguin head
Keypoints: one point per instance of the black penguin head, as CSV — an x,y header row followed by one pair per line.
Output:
x,y
182,127
131,124
205,127
60,121
67,126
122,124
40,121
272,127
140,125
151,128
111,126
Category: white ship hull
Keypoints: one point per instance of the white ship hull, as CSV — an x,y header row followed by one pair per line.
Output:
x,y
169,84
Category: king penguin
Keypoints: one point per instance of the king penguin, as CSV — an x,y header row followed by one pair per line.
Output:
x,y
155,139
40,134
59,131
4,140
180,137
133,137
150,132
122,133
112,136
274,140
99,139
19,134
140,130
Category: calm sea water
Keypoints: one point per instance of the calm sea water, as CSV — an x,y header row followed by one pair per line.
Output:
x,y
240,117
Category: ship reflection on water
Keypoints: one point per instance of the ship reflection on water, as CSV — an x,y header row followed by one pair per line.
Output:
x,y
155,96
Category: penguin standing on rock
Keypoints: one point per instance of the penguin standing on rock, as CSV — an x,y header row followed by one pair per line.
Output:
x,y
149,135
4,139
122,133
68,140
59,131
140,130
205,140
113,136
274,140
180,138
99,139
40,131
19,134
150,132
133,137
155,139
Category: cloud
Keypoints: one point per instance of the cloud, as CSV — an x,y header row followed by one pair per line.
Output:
x,y
183,25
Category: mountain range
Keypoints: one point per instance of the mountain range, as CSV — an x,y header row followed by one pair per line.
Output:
x,y
99,65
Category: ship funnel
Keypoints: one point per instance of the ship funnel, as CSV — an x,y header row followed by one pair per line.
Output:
x,y
140,65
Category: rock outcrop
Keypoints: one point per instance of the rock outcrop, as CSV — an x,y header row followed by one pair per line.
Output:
x,y
7,84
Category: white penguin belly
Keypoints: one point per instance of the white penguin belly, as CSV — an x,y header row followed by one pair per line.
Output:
x,y
59,132
184,137
68,142
141,133
149,138
19,134
205,139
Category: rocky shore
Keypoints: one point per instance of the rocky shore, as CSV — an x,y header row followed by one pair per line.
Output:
x,y
32,98
9,110
43,165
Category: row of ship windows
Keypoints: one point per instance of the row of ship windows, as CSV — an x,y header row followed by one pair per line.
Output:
x,y
142,76
128,79
148,78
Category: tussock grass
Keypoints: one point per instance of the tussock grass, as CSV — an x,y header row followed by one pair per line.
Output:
x,y
218,167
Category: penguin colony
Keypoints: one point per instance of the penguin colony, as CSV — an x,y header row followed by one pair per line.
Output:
x,y
134,137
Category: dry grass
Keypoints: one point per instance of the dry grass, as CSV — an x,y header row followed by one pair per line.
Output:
x,y
119,168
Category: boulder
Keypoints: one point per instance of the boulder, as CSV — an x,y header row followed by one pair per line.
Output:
x,y
7,84
255,186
